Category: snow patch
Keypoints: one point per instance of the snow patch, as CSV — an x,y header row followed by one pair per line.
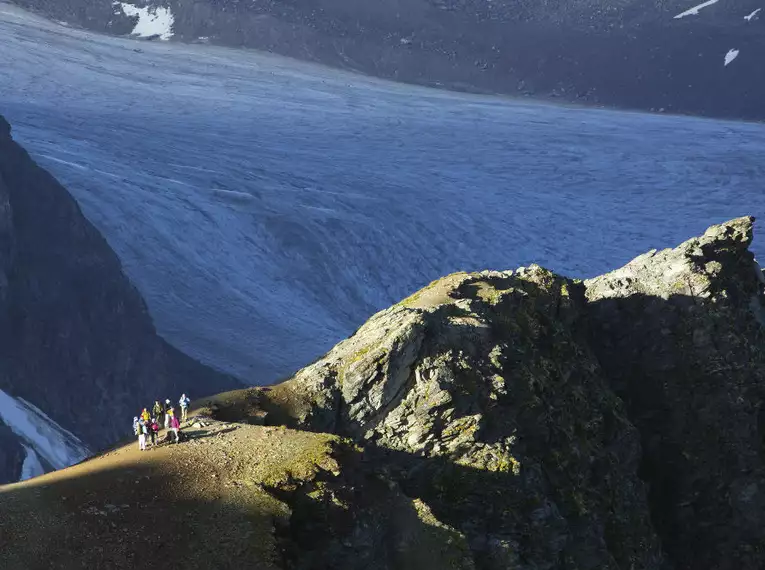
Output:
x,y
31,466
730,56
752,15
152,22
695,10
53,443
233,195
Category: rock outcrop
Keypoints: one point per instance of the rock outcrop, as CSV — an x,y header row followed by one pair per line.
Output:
x,y
76,339
554,423
480,400
679,334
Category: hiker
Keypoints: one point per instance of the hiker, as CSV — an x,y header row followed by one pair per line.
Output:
x,y
145,415
153,431
168,407
175,426
142,435
157,411
184,402
135,425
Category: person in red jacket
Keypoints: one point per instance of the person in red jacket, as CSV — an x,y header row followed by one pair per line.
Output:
x,y
175,426
153,431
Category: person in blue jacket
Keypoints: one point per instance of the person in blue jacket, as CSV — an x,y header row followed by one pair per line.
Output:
x,y
184,402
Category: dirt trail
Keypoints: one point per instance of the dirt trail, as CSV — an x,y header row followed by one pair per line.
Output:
x,y
202,503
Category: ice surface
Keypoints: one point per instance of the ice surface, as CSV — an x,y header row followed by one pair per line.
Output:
x,y
730,56
31,466
152,21
695,10
361,191
57,446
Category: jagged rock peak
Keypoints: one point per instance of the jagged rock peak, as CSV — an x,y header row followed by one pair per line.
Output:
x,y
529,410
679,334
701,266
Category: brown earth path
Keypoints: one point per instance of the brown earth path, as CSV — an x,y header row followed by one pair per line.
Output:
x,y
202,503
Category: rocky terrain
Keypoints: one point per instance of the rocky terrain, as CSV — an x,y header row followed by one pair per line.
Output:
x,y
567,424
669,56
493,420
77,345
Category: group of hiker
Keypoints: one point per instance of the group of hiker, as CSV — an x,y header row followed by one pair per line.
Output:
x,y
147,424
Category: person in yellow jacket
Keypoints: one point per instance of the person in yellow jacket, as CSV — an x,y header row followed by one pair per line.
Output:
x,y
145,415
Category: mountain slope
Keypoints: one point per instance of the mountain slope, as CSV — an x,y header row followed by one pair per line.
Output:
x,y
491,421
642,54
231,496
76,339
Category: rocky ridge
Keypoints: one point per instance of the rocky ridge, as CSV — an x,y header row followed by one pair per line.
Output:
x,y
611,423
496,420
76,339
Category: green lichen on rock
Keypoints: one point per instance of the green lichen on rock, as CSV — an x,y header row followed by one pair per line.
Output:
x,y
494,413
496,399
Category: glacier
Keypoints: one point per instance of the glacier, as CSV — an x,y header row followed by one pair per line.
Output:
x,y
265,208
41,436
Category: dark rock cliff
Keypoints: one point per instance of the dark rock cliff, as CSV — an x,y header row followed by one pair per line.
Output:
x,y
76,339
11,455
630,53
679,334
554,423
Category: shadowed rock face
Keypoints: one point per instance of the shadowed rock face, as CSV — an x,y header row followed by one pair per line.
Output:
x,y
11,455
679,334
515,403
631,53
76,339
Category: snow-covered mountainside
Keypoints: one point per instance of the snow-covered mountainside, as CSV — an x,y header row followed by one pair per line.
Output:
x,y
266,208
675,55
